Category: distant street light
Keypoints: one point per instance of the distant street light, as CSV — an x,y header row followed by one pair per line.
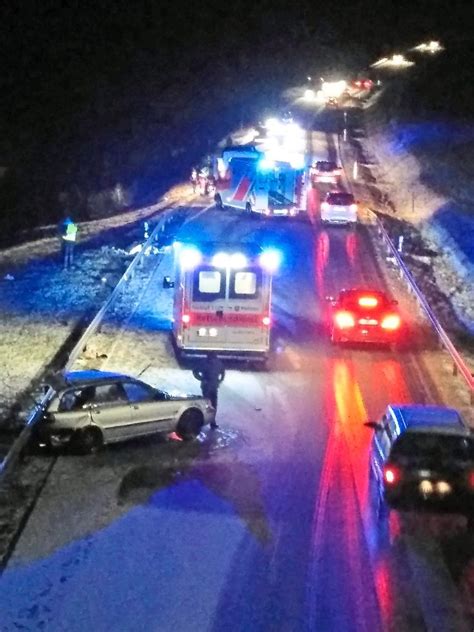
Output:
x,y
308,78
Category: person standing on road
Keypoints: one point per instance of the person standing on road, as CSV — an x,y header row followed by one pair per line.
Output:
x,y
211,374
194,179
68,231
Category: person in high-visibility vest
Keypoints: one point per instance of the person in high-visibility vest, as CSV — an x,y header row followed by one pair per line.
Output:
x,y
68,241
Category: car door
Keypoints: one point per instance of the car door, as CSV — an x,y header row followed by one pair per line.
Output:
x,y
110,410
151,409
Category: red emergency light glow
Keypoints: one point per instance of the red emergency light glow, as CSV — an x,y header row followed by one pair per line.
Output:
x,y
186,318
266,320
391,322
391,475
344,320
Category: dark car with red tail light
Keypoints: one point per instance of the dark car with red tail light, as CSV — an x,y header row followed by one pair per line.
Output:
x,y
364,316
422,458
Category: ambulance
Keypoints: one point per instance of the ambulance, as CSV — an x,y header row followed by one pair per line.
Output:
x,y
222,300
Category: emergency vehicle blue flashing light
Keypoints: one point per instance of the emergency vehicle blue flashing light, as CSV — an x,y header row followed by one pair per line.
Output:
x,y
266,164
189,258
271,260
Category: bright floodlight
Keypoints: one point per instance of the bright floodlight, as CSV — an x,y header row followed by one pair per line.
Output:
x,y
297,161
429,47
266,164
220,260
238,260
272,124
395,61
309,95
333,88
270,260
189,258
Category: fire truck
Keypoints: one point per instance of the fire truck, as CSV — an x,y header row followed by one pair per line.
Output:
x,y
247,179
222,299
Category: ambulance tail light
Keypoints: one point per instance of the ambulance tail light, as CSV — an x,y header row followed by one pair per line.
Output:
x,y
344,320
391,322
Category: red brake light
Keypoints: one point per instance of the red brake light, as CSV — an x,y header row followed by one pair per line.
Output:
x,y
470,479
344,320
367,301
391,475
266,320
186,318
391,322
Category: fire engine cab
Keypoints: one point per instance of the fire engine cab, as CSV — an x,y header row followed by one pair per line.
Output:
x,y
222,299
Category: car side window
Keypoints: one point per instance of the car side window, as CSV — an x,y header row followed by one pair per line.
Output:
x,y
388,427
138,392
109,394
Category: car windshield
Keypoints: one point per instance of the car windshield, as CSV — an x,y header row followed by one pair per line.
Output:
x,y
326,166
443,447
340,199
356,299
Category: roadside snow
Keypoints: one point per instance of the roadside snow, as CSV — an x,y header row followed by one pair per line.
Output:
x,y
443,223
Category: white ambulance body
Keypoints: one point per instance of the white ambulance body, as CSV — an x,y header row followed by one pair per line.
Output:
x,y
222,299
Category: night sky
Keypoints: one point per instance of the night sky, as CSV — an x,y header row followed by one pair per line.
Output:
x,y
93,74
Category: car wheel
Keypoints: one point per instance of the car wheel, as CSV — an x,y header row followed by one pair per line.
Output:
x,y
189,425
88,440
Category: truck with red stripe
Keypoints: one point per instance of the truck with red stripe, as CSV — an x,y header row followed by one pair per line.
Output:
x,y
246,179
222,300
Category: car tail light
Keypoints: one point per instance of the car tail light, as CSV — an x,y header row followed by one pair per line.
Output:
x,y
353,208
186,318
391,475
367,301
470,479
344,320
324,206
266,320
391,322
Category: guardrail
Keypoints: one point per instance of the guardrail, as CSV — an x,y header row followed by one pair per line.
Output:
x,y
36,413
459,365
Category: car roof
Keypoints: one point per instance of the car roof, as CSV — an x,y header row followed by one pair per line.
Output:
x,y
436,419
91,376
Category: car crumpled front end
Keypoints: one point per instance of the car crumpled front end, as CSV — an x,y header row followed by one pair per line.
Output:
x,y
53,431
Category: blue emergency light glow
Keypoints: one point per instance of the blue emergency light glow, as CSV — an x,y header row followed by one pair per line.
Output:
x,y
189,258
270,260
266,164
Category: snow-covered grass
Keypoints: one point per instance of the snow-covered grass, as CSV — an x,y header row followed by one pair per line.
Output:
x,y
42,304
440,227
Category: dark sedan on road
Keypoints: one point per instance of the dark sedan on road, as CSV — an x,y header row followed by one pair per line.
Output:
x,y
422,457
